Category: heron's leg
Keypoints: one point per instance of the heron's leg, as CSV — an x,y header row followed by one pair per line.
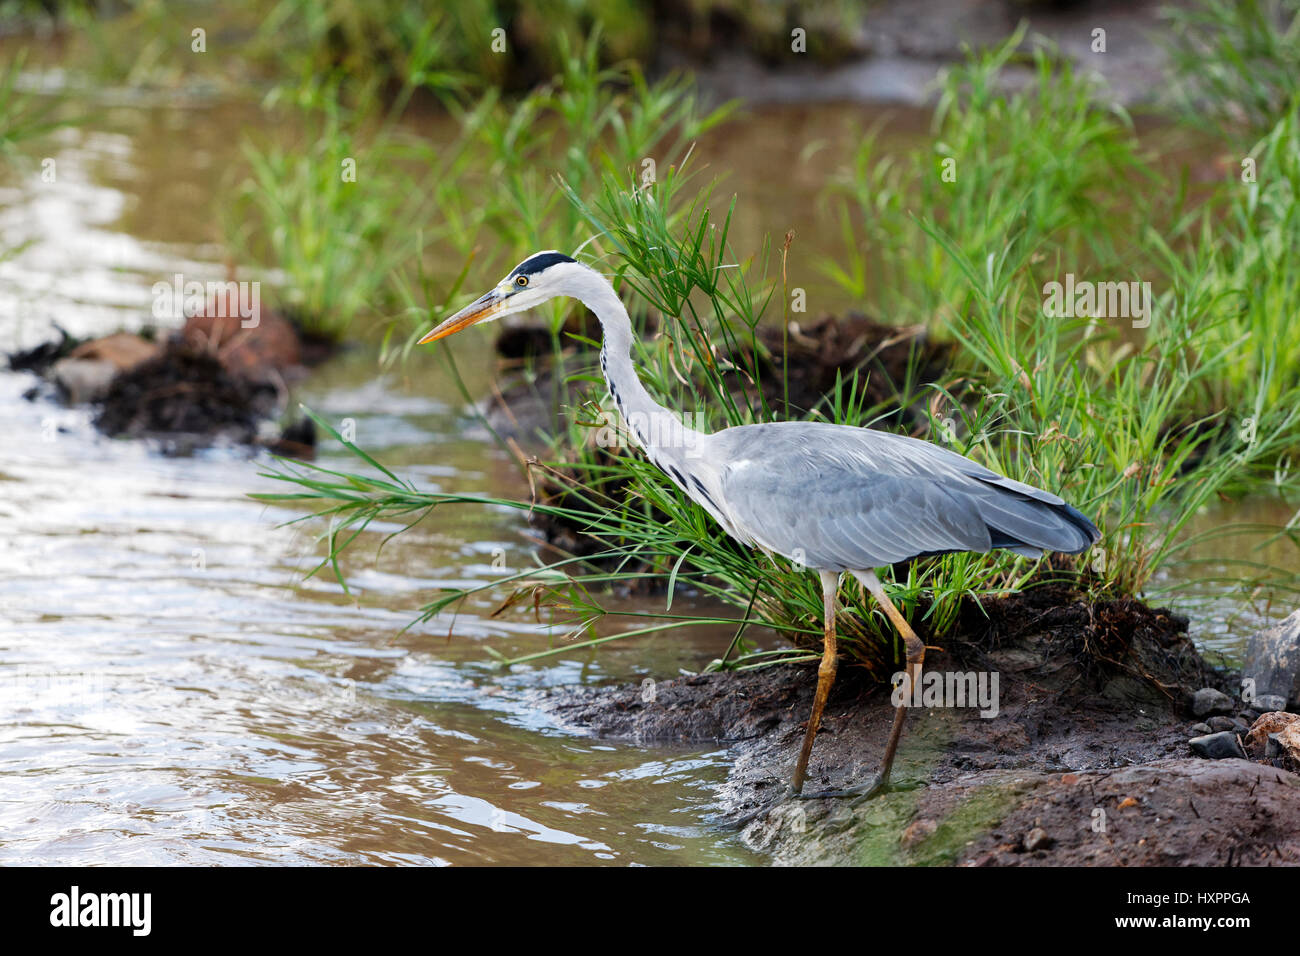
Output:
x,y
915,658
825,675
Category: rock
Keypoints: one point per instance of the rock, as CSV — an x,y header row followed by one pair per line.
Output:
x,y
1199,730
1273,660
1289,738
1264,727
1250,716
124,350
1037,839
1272,747
83,380
1217,746
1207,700
1220,723
1268,702
918,831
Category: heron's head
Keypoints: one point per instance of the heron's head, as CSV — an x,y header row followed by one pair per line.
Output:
x,y
541,276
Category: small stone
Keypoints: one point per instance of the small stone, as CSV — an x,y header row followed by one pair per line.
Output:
x,y
1270,702
1219,722
1272,747
1199,730
1240,726
1289,738
1249,716
1207,700
1273,661
1217,746
918,831
1267,725
1037,839
83,379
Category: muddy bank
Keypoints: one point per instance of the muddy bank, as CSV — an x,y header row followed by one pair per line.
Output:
x,y
211,382
1087,760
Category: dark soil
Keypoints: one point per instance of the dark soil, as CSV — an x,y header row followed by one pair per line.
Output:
x,y
824,351
185,391
214,382
1093,714
41,357
1181,811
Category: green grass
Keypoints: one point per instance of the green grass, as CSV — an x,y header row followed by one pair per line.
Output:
x,y
379,245
333,217
1049,171
468,45
1240,275
25,118
1238,63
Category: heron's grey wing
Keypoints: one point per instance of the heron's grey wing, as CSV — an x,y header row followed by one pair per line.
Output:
x,y
853,498
838,521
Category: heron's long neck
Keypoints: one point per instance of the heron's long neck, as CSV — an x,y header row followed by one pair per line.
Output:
x,y
658,430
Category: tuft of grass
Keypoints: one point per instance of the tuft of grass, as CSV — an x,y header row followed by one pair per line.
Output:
x,y
1238,274
1237,62
1043,169
334,219
379,245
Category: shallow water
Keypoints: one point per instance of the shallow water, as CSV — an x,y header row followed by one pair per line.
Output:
x,y
173,689
168,675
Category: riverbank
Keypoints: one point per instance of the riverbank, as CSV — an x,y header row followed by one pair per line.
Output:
x,y
1086,762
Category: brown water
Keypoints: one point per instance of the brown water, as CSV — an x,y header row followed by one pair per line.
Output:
x,y
173,690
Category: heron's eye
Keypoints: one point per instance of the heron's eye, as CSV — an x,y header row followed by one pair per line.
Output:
x,y
521,281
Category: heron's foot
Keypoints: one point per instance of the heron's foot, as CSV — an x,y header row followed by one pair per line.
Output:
x,y
874,787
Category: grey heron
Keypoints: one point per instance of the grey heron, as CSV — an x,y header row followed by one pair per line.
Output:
x,y
832,498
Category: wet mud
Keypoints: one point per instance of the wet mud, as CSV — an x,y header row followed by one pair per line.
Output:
x,y
1085,762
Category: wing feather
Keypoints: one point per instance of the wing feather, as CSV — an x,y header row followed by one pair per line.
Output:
x,y
842,498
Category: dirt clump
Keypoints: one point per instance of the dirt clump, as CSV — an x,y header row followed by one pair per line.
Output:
x,y
184,391
214,381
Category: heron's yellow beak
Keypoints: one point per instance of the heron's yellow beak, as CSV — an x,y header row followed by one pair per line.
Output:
x,y
478,310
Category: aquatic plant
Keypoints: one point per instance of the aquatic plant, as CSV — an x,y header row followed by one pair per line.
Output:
x,y
332,216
